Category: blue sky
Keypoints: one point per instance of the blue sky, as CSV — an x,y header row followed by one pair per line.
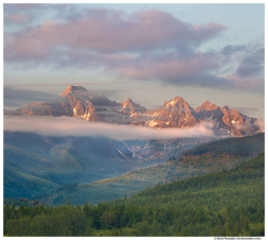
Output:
x,y
149,52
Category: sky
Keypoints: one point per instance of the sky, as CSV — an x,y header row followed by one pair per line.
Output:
x,y
149,52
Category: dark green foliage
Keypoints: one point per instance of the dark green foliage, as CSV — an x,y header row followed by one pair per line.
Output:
x,y
172,170
241,147
22,201
227,203
171,159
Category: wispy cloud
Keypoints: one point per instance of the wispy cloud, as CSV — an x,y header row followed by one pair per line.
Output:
x,y
252,64
10,7
257,126
64,126
109,31
17,18
145,45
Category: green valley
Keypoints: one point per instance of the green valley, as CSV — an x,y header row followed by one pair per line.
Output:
x,y
227,203
177,169
31,160
135,181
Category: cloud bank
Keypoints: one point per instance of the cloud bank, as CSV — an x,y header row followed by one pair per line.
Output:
x,y
145,45
109,31
64,126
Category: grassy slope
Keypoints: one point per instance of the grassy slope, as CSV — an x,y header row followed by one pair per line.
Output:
x,y
135,181
139,180
22,182
66,160
227,203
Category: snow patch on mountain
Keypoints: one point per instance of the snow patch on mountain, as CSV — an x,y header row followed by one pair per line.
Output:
x,y
152,123
171,103
74,111
234,122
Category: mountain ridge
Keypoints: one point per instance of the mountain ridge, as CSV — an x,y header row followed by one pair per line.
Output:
x,y
192,163
76,101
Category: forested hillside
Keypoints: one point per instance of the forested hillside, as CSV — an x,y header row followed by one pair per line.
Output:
x,y
36,164
227,203
172,170
136,181
241,147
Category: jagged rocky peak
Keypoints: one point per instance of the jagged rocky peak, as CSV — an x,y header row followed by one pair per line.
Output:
x,y
76,101
129,100
130,107
127,103
130,104
208,106
206,103
73,89
177,102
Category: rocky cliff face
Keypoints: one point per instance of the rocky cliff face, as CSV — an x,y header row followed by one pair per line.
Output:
x,y
133,109
76,101
178,113
225,118
46,108
174,113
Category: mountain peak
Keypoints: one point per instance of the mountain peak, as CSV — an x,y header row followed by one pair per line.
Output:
x,y
73,89
207,102
128,103
178,102
178,98
69,88
129,100
208,106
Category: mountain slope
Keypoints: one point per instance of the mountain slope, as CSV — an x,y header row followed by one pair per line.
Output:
x,y
174,113
225,118
65,160
170,171
246,146
227,203
130,107
135,181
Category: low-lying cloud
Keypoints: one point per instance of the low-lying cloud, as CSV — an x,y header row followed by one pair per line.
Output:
x,y
260,124
256,127
65,126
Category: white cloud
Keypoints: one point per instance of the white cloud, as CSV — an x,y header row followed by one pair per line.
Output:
x,y
65,126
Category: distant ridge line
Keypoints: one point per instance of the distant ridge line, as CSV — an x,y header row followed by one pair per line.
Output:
x,y
247,146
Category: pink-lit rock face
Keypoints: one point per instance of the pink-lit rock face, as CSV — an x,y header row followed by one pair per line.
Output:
x,y
129,107
207,106
76,101
174,113
224,117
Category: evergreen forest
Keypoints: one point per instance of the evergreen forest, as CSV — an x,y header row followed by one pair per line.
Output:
x,y
248,146
226,203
